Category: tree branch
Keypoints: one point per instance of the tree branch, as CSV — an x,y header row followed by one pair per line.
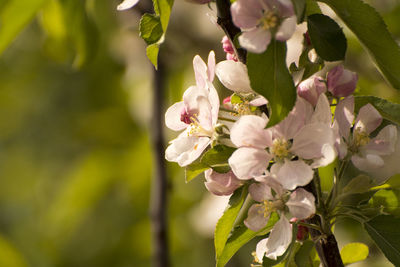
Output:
x,y
225,21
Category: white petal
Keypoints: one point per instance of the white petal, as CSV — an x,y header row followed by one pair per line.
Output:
x,y
322,111
173,117
249,131
259,101
256,40
246,13
309,141
126,4
294,173
344,115
286,29
255,218
247,162
211,66
301,204
186,149
200,71
368,162
260,192
261,248
279,239
384,143
328,155
368,119
233,75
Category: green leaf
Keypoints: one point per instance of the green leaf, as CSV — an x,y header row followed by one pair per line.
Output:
x,y
303,258
384,230
299,8
194,170
270,77
217,158
226,222
387,201
354,252
327,37
372,32
150,28
152,53
358,185
389,111
312,8
239,237
14,16
163,9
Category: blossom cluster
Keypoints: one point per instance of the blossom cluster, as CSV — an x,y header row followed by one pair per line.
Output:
x,y
275,162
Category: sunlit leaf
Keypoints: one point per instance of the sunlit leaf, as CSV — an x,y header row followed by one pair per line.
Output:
x,y
372,32
150,28
354,252
387,200
270,77
303,258
152,53
217,158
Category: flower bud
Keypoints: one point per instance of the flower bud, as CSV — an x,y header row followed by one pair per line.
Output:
x,y
341,82
221,184
228,49
302,231
311,89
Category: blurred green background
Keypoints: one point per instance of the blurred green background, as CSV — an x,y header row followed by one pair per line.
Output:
x,y
75,152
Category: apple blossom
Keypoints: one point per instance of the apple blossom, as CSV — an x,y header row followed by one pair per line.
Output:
x,y
311,89
341,82
366,152
262,20
273,197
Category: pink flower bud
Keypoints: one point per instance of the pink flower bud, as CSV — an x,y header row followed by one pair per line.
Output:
x,y
302,231
221,184
311,89
341,82
228,49
185,116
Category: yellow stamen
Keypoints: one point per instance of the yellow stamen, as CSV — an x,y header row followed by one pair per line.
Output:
x,y
269,20
280,148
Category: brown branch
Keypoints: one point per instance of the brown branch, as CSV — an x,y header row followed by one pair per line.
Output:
x,y
225,21
158,209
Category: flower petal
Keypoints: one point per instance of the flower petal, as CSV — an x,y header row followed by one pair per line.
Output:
x,y
261,249
247,162
301,204
249,131
384,143
279,238
200,71
173,117
221,184
368,119
256,220
260,192
246,13
126,4
233,75
286,29
292,174
322,111
211,66
255,40
368,162
344,115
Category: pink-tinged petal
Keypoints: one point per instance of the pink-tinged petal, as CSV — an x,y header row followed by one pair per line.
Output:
x,y
255,40
221,184
249,131
261,249
233,75
344,115
295,121
247,162
294,173
173,117
260,192
255,217
126,4
246,13
341,82
200,71
301,204
285,7
186,149
190,98
384,143
213,98
258,101
211,66
204,116
368,119
329,154
309,141
286,29
279,239
368,162
322,111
